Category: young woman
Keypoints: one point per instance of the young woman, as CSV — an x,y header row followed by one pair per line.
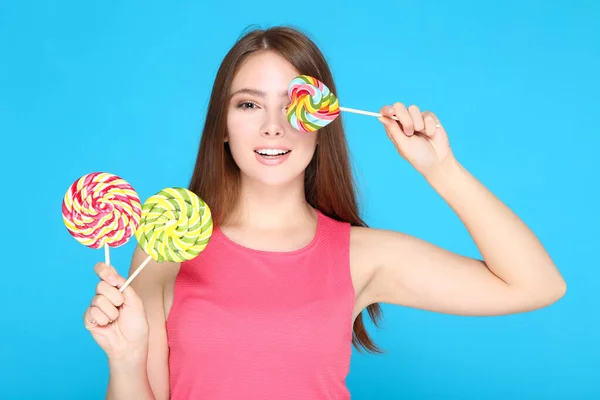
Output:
x,y
270,309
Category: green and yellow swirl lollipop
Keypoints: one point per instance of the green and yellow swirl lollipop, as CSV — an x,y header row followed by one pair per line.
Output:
x,y
176,225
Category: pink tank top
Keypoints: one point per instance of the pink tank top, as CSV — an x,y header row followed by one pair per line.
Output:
x,y
251,324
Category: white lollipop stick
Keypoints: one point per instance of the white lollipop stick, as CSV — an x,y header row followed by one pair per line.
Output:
x,y
106,254
352,110
137,271
372,114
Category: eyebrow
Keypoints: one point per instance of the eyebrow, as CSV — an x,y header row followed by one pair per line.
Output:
x,y
256,92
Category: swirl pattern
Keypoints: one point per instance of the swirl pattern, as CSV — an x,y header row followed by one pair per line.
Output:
x,y
101,209
313,106
176,225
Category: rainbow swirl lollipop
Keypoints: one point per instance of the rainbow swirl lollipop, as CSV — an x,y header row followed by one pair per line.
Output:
x,y
101,210
176,225
313,106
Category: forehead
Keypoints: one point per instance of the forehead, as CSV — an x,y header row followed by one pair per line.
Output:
x,y
265,71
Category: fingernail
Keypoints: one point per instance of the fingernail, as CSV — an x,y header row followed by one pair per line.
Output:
x,y
113,280
391,110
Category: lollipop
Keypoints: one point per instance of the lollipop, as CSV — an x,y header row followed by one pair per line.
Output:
x,y
176,226
314,106
101,210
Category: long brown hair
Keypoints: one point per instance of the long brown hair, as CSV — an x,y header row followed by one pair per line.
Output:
x,y
329,184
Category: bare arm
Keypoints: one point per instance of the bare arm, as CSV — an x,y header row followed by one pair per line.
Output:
x,y
128,380
146,375
515,275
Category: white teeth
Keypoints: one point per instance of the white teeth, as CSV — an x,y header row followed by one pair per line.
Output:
x,y
271,152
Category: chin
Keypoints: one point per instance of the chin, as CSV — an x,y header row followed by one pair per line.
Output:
x,y
273,176
276,179
287,173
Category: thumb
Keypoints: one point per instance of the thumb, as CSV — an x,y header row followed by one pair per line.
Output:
x,y
131,298
394,132
120,280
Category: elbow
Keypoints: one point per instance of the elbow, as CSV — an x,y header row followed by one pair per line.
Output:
x,y
537,296
550,293
550,286
558,288
561,289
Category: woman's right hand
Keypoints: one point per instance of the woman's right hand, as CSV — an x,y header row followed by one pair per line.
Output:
x,y
117,321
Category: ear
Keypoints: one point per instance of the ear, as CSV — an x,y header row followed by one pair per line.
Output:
x,y
226,139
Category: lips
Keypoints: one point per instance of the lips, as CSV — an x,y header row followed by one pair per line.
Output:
x,y
272,156
271,151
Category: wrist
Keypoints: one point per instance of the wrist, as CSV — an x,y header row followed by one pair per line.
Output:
x,y
128,378
131,359
444,171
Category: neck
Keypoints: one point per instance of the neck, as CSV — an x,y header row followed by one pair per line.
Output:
x,y
271,207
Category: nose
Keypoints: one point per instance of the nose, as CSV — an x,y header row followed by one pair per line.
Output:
x,y
273,126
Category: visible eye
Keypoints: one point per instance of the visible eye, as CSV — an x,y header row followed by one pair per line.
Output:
x,y
246,105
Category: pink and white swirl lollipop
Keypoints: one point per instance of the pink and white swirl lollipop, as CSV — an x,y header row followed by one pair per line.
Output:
x,y
101,210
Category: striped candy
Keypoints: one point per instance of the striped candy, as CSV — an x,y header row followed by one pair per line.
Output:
x,y
101,208
176,225
313,106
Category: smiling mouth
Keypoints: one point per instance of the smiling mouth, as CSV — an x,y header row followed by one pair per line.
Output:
x,y
272,153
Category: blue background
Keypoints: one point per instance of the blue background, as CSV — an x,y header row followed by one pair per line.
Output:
x,y
122,87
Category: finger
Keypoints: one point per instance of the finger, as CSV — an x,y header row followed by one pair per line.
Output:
x,y
88,319
107,273
98,317
111,293
104,304
404,118
417,118
387,114
430,123
387,111
386,121
130,297
394,132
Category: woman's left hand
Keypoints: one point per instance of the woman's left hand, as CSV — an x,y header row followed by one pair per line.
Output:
x,y
418,136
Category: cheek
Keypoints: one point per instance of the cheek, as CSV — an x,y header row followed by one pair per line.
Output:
x,y
241,124
238,136
309,140
306,147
